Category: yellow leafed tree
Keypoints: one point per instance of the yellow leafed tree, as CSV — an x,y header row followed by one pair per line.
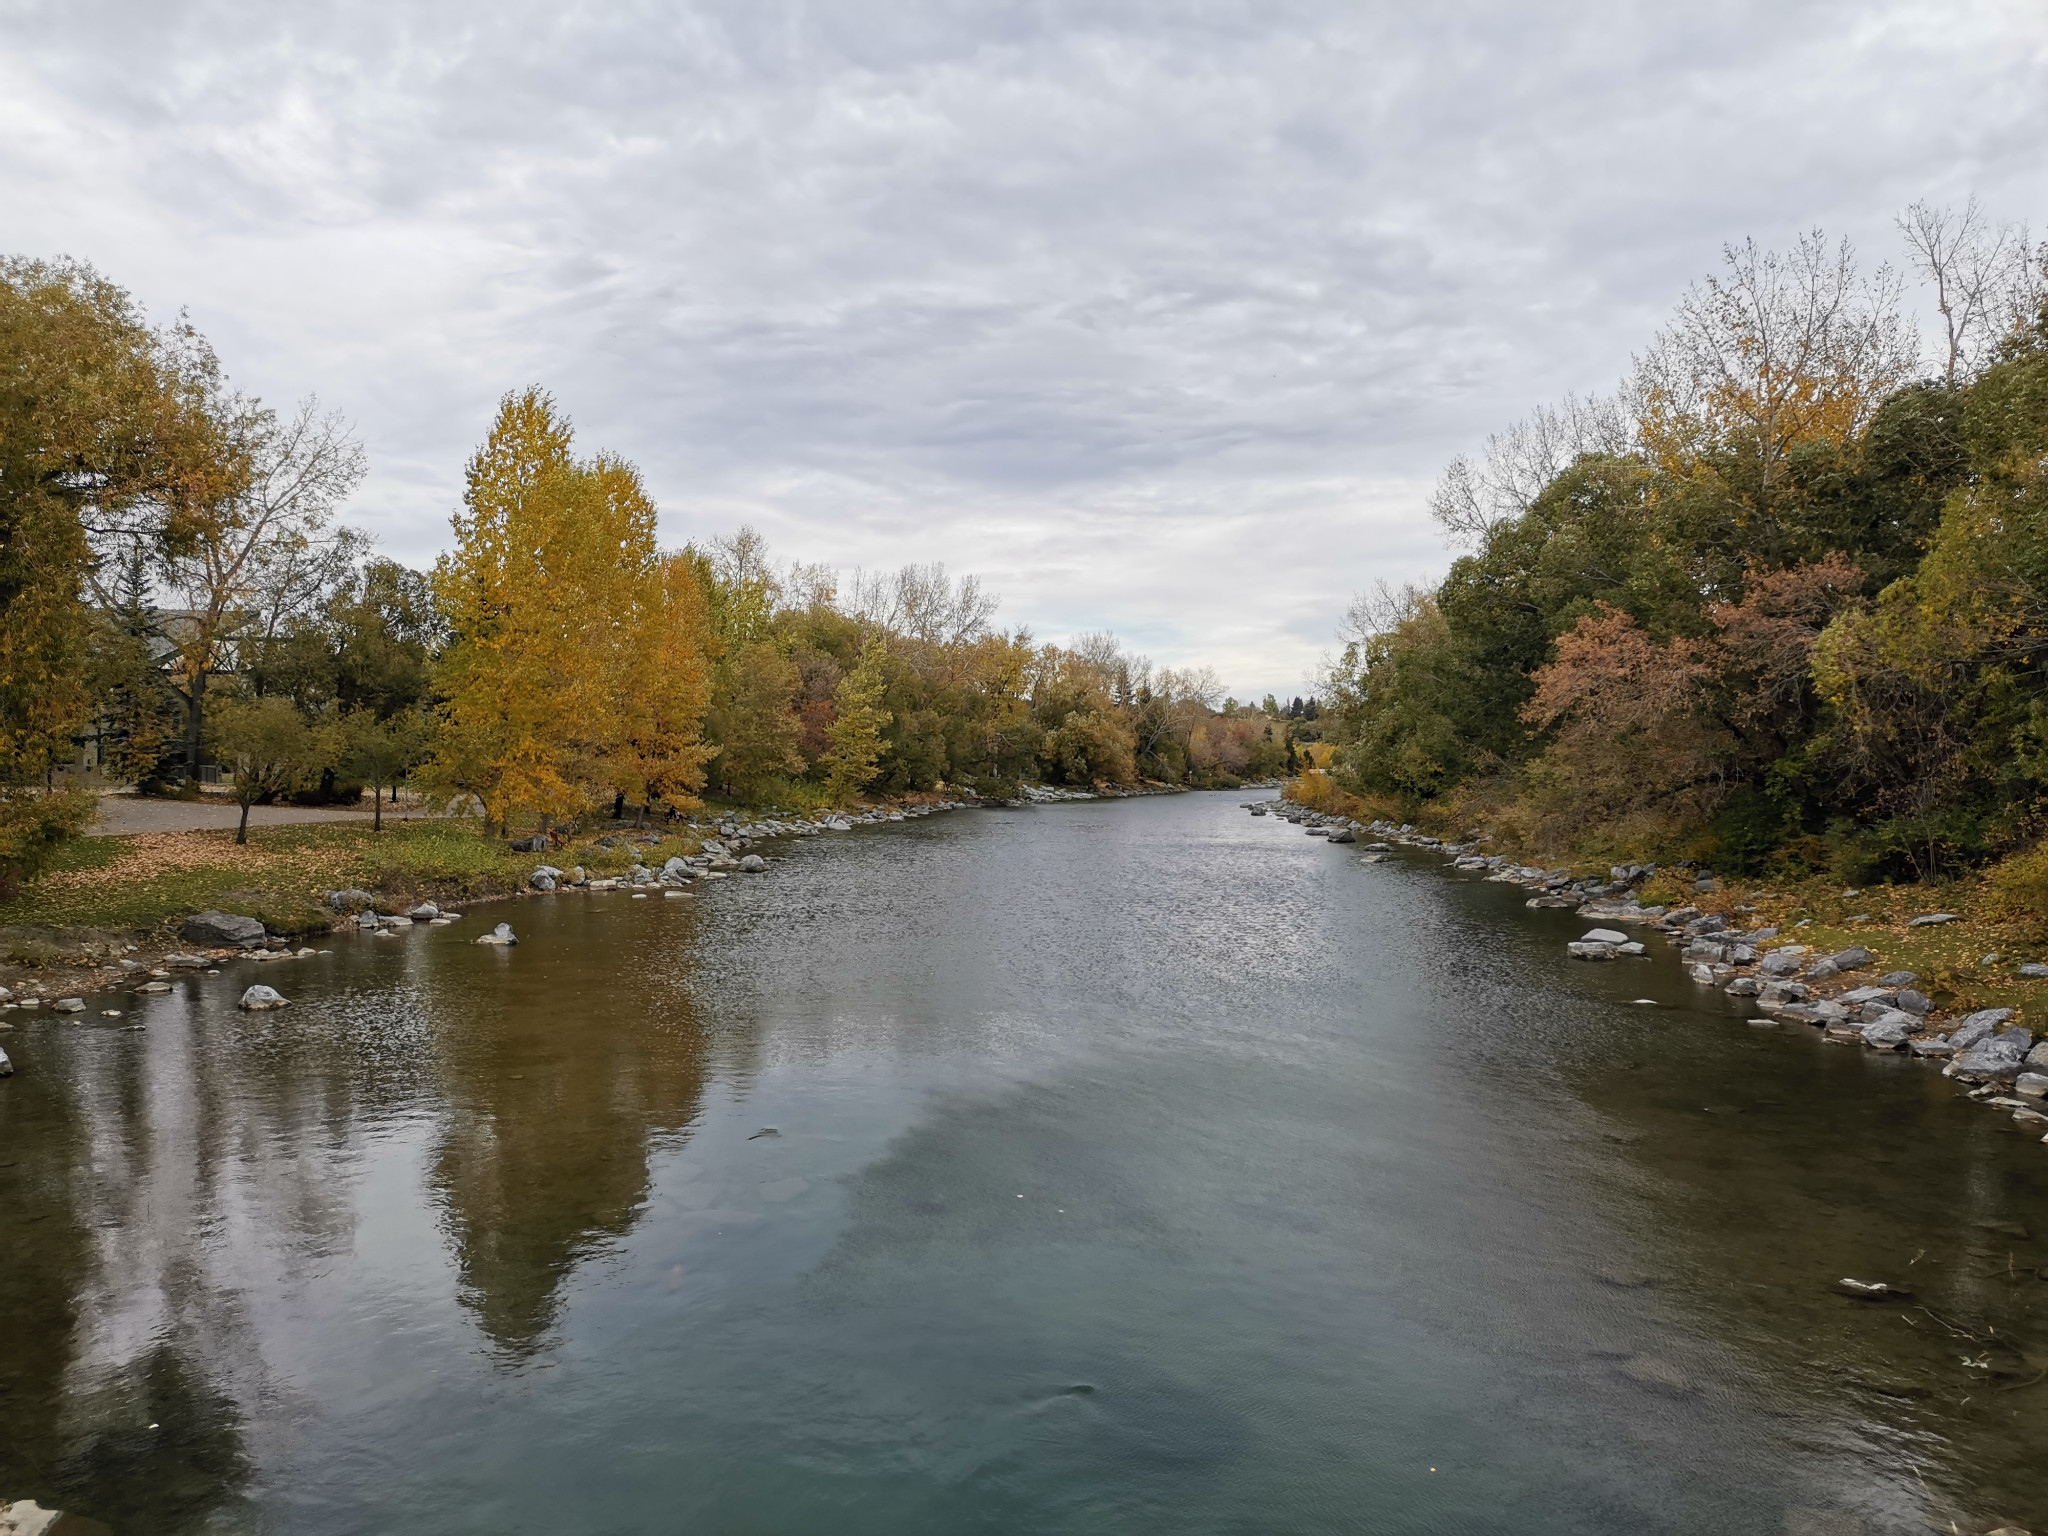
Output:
x,y
575,665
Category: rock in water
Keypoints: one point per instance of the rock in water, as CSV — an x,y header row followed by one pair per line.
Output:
x,y
6,1066
69,1005
502,934
753,864
1602,936
1343,835
258,998
1996,1059
222,930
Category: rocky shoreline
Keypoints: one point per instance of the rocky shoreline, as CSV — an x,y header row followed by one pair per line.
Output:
x,y
211,940
1784,981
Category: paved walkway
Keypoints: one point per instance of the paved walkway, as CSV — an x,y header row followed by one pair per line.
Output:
x,y
121,814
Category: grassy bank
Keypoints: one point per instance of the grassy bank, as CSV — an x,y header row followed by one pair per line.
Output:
x,y
145,884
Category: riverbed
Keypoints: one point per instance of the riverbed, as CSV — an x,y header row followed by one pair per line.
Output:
x,y
1134,1166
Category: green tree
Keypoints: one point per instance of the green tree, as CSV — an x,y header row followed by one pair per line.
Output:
x,y
855,734
382,750
268,745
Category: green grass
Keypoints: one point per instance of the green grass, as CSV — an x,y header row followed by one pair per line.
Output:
x,y
115,883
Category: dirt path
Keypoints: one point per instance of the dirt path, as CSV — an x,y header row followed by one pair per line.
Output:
x,y
124,814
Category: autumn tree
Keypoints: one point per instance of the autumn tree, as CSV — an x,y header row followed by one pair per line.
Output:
x,y
558,605
260,547
103,439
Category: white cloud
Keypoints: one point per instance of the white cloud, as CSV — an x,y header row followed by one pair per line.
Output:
x,y
1159,317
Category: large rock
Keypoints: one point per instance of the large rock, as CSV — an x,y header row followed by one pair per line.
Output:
x,y
1996,1059
542,879
2033,1084
1343,835
753,864
1854,958
1890,1029
502,934
1914,1002
1978,1026
6,1066
1705,949
258,998
1932,920
2033,970
351,900
221,930
1781,963
1602,936
677,868
538,843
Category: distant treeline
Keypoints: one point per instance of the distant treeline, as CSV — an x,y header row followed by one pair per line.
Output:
x,y
176,590
1780,602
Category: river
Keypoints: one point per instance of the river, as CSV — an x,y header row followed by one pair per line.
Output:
x,y
1137,1166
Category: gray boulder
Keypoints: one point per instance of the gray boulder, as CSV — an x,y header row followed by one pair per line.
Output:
x,y
426,911
1897,979
1930,1045
1978,1026
1782,992
502,934
2033,970
221,930
1780,963
1862,995
677,868
1854,958
258,998
69,1005
537,843
2033,1084
1993,1060
1343,835
1822,969
1705,949
1932,920
350,900
2037,1058
1890,1029
1602,936
753,864
543,879
1914,1002
1743,986
6,1066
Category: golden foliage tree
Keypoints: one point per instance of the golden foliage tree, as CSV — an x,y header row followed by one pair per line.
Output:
x,y
573,668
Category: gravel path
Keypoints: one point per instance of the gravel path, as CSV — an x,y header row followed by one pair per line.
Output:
x,y
122,814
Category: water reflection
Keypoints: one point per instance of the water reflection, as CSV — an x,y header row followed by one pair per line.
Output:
x,y
554,1090
177,1184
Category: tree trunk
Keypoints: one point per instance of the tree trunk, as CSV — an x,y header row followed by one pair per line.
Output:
x,y
242,832
377,800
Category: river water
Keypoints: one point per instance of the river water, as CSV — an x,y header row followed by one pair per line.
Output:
x,y
1138,1167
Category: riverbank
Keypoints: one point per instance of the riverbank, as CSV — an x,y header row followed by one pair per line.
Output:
x,y
115,914
1902,974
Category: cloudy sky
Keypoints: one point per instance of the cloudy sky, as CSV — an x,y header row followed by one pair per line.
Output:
x,y
1161,317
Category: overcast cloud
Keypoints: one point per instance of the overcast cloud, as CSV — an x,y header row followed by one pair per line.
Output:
x,y
1159,317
